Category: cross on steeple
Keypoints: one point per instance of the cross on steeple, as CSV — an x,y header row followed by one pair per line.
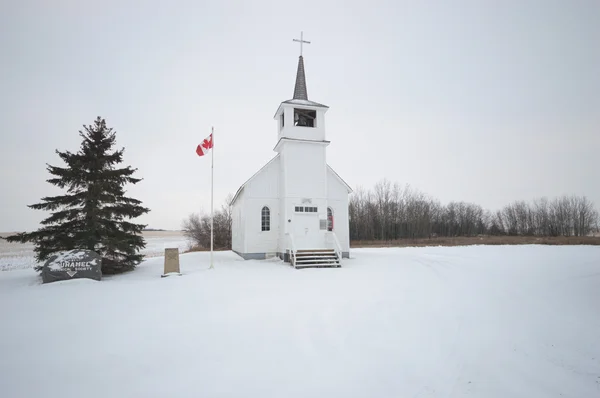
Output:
x,y
301,41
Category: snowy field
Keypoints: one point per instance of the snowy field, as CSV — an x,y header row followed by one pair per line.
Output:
x,y
21,256
478,321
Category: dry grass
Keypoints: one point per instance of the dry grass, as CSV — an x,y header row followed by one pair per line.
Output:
x,y
482,240
197,248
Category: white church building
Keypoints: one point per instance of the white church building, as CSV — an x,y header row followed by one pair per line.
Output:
x,y
295,207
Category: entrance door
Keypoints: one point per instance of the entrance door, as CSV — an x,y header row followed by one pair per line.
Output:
x,y
306,230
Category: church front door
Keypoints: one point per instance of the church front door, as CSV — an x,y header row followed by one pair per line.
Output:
x,y
306,231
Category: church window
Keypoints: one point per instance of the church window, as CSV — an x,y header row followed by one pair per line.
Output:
x,y
282,120
306,209
266,219
305,117
329,219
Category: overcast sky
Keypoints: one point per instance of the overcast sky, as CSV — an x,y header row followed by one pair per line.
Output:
x,y
479,101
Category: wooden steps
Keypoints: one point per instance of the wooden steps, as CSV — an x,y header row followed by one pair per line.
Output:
x,y
316,258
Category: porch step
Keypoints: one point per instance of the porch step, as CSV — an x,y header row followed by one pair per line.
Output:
x,y
317,258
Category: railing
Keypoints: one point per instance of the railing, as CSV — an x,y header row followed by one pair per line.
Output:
x,y
336,244
292,248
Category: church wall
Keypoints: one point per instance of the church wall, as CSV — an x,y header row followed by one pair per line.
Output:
x,y
304,177
338,201
283,241
262,190
305,170
258,241
237,226
321,125
303,133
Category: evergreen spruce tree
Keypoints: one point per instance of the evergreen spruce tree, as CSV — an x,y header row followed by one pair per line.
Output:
x,y
93,213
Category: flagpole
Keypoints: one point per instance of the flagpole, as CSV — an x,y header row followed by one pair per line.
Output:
x,y
211,194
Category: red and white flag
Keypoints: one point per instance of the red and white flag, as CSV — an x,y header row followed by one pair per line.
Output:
x,y
205,146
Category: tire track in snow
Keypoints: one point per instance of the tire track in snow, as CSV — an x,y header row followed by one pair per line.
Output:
x,y
453,367
428,266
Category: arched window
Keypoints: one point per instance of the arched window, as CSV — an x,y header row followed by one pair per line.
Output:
x,y
266,219
329,219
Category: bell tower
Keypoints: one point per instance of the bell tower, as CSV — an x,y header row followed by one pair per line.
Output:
x,y
299,118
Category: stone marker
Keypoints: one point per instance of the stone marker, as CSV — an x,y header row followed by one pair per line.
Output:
x,y
72,264
171,262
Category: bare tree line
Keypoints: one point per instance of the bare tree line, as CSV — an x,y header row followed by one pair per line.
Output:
x,y
391,211
563,216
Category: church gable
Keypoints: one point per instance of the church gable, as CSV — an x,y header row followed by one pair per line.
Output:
x,y
265,183
264,180
337,186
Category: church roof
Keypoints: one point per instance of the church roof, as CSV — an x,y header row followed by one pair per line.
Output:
x,y
282,139
304,102
300,92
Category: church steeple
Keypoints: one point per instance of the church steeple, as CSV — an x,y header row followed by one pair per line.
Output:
x,y
300,118
300,87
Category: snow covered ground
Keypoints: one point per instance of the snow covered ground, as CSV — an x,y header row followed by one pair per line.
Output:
x,y
480,321
21,256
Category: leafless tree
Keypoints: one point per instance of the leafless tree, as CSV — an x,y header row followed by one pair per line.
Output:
x,y
197,227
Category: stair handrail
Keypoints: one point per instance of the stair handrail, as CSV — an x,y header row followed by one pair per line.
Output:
x,y
293,248
338,246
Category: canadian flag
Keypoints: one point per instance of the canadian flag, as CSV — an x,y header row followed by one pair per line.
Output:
x,y
205,146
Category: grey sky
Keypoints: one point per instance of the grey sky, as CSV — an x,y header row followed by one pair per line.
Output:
x,y
481,101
